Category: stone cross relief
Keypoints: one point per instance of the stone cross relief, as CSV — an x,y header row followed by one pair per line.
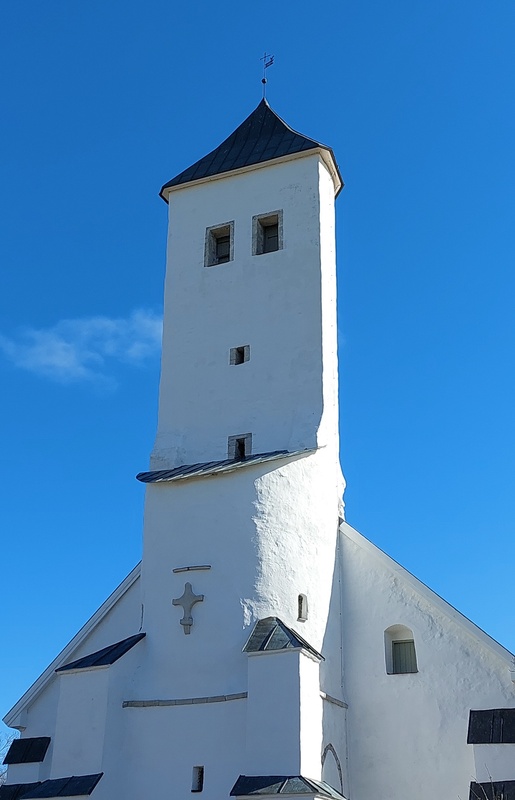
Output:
x,y
187,600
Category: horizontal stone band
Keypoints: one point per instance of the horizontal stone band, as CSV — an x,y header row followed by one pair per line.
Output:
x,y
184,701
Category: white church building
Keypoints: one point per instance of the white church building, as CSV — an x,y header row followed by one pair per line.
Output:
x,y
263,647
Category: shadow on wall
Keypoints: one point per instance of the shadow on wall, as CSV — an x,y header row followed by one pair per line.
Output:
x,y
334,714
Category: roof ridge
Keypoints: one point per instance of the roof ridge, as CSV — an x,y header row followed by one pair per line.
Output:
x,y
429,594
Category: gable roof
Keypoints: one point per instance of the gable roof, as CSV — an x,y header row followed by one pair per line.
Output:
x,y
40,684
106,656
424,591
271,634
263,136
27,751
213,467
251,785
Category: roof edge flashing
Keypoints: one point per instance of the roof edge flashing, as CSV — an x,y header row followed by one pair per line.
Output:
x,y
214,468
325,153
16,717
76,670
303,650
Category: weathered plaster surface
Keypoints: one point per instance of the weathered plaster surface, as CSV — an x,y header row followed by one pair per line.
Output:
x,y
410,730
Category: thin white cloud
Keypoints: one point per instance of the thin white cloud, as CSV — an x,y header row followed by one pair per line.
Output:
x,y
85,349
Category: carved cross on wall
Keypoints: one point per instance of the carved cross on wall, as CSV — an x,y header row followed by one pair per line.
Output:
x,y
187,600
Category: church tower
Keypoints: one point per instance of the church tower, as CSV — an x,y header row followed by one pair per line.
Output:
x,y
244,494
263,647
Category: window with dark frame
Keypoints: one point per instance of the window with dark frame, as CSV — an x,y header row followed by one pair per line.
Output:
x,y
267,233
219,245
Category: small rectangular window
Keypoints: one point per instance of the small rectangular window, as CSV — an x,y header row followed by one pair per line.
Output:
x,y
197,779
267,232
240,446
239,355
404,659
219,244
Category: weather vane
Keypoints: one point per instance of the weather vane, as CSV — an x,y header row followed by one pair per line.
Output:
x,y
267,60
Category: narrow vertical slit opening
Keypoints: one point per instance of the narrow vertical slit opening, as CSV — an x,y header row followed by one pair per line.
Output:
x,y
302,608
197,779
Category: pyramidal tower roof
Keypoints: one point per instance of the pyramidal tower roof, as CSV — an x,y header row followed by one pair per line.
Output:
x,y
263,136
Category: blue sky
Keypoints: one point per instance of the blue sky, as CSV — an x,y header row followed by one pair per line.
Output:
x,y
104,102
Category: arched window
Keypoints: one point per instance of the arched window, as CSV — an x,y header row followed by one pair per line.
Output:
x,y
400,654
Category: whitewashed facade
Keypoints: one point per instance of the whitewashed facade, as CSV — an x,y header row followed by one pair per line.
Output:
x,y
263,646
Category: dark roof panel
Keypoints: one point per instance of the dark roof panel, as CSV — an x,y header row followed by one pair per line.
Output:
x,y
492,790
214,467
75,786
263,136
15,791
104,657
248,785
492,726
271,634
26,751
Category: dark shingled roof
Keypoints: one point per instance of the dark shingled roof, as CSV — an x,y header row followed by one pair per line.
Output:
x,y
104,657
25,751
15,791
281,784
263,136
492,726
75,786
493,790
213,467
271,634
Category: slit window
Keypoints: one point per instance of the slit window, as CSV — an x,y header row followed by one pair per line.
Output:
x,y
219,245
197,779
239,355
302,608
239,447
267,233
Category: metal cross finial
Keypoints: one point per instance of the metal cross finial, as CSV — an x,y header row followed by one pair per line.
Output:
x,y
187,600
267,60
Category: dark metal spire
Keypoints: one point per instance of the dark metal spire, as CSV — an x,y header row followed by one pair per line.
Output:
x,y
263,136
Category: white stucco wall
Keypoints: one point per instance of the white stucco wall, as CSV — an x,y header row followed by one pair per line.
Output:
x,y
150,751
269,533
494,762
410,730
274,714
81,720
272,302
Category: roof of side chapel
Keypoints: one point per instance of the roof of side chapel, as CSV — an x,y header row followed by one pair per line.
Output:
x,y
263,136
